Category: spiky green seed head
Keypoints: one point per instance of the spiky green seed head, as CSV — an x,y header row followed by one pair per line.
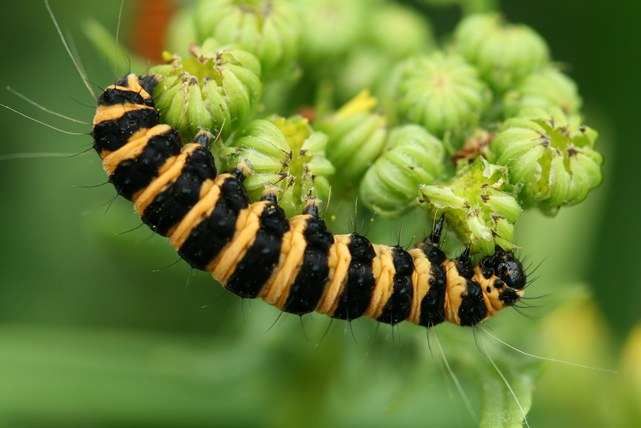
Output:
x,y
550,157
285,155
214,88
441,92
412,157
270,29
478,206
356,138
545,89
504,54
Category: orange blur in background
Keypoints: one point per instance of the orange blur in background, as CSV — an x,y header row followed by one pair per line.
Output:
x,y
150,25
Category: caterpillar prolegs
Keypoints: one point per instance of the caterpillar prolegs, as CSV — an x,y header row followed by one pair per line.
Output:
x,y
254,250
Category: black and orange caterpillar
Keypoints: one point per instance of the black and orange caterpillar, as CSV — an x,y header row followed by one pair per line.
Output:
x,y
295,264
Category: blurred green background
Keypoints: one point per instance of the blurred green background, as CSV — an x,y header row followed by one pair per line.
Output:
x,y
107,330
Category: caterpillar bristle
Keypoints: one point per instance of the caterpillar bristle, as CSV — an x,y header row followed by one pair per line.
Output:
x,y
74,60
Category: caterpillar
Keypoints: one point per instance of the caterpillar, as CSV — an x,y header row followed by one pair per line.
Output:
x,y
255,251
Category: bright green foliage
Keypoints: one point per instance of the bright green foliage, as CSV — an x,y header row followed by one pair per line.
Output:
x,y
216,88
477,205
550,158
412,157
503,53
495,71
440,92
285,155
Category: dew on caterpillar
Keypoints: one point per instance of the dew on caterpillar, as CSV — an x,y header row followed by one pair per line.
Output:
x,y
254,251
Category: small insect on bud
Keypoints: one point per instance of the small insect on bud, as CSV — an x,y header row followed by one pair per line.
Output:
x,y
412,157
356,137
215,88
544,89
440,92
550,157
477,205
286,155
269,29
504,53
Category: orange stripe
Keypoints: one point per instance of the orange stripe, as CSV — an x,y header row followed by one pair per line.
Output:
x,y
142,201
198,213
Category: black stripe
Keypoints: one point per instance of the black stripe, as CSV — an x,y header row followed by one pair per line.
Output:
x,y
114,96
148,82
399,305
308,287
113,134
214,232
433,304
357,293
173,203
133,175
262,257
472,309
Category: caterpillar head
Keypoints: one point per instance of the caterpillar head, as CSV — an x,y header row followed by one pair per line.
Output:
x,y
503,279
478,292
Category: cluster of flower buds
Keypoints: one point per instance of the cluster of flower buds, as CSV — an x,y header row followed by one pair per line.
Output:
x,y
478,130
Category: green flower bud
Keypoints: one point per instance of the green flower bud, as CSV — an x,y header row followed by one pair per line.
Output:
x,y
440,92
544,89
398,31
504,54
412,157
551,159
356,137
365,68
392,33
267,28
330,28
477,206
285,155
216,88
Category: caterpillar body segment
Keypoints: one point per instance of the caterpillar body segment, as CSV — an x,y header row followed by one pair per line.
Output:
x,y
254,250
